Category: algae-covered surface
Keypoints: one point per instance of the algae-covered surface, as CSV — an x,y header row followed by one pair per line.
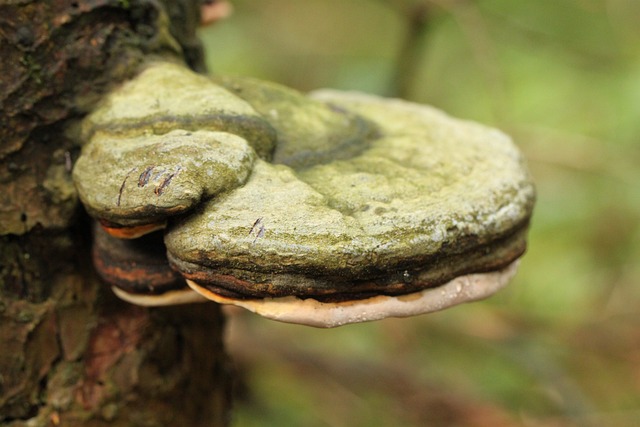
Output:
x,y
427,186
169,97
147,178
359,187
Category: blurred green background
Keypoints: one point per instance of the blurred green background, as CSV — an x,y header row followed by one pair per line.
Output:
x,y
561,345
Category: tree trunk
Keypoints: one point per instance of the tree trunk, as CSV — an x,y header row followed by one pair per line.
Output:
x,y
70,353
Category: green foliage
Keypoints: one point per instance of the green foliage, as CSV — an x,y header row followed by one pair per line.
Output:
x,y
557,348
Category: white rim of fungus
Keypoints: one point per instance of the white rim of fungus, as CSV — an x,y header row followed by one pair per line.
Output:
x,y
181,296
311,312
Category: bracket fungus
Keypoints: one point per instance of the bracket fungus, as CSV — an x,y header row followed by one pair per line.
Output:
x,y
138,269
321,209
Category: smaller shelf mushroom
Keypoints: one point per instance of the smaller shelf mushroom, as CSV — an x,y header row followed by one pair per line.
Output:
x,y
356,208
157,176
138,270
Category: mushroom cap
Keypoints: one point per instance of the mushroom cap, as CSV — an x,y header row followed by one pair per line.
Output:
x,y
167,96
430,199
136,182
170,138
323,209
309,132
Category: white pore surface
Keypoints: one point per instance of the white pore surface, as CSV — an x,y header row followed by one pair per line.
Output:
x,y
182,296
311,312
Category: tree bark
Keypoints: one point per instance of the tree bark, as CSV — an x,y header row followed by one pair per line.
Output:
x,y
70,353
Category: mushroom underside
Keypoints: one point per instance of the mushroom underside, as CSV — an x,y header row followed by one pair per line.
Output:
x,y
322,314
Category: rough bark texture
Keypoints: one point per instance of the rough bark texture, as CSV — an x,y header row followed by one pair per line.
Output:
x,y
70,353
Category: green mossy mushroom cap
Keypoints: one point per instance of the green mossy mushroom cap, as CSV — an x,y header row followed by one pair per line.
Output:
x,y
170,138
146,178
308,132
167,96
336,203
430,198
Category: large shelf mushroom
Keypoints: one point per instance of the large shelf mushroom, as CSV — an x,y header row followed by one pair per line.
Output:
x,y
331,208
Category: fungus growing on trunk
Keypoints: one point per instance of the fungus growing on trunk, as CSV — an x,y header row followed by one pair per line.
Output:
x,y
361,208
138,269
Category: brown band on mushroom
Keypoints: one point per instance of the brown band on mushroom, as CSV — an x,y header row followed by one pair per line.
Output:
x,y
130,232
136,266
409,277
